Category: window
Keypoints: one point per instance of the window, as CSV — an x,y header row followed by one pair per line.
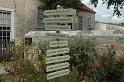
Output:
x,y
80,26
0,33
70,24
5,25
28,41
80,22
40,16
89,23
80,19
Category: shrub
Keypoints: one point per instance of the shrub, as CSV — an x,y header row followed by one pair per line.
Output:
x,y
110,67
83,54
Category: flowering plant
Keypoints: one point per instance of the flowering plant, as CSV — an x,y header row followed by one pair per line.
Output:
x,y
109,67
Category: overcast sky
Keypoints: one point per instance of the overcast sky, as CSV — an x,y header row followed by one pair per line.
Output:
x,y
103,14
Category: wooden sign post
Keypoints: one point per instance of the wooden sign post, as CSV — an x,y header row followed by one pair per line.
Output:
x,y
56,59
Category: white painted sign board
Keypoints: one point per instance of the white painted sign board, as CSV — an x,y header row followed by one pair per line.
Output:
x,y
57,59
57,74
63,43
56,35
59,19
58,66
54,43
57,27
69,11
58,43
58,51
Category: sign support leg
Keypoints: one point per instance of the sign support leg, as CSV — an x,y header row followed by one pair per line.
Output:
x,y
57,79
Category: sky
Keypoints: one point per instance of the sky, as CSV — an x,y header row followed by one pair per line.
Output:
x,y
103,14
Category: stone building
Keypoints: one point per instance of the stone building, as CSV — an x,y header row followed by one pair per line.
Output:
x,y
18,17
86,18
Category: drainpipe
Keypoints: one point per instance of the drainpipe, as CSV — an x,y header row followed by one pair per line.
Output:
x,y
26,1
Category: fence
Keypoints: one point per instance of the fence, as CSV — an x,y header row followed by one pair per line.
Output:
x,y
7,49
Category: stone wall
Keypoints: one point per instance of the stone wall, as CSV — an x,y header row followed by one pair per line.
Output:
x,y
87,15
25,16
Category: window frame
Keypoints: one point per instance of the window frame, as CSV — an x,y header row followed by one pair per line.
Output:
x,y
12,21
40,18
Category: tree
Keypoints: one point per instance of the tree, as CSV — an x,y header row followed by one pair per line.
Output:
x,y
121,24
118,4
52,4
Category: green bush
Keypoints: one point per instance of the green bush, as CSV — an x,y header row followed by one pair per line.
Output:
x,y
83,53
110,67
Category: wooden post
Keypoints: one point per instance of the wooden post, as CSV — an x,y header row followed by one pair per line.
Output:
x,y
57,79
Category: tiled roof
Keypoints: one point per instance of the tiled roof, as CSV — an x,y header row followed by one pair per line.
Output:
x,y
86,8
